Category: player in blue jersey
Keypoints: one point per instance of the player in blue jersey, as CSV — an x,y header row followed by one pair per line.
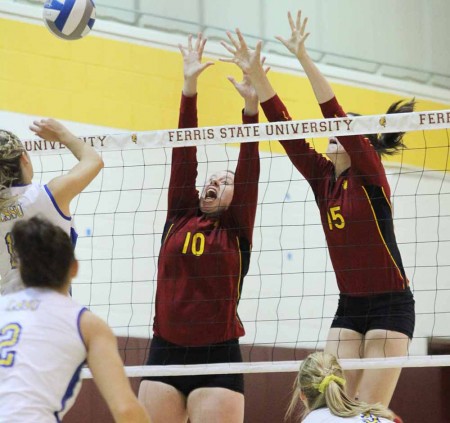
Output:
x,y
46,337
20,198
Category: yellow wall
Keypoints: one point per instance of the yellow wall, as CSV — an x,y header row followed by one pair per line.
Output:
x,y
119,84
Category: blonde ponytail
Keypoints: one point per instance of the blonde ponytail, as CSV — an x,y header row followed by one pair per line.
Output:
x,y
321,381
10,171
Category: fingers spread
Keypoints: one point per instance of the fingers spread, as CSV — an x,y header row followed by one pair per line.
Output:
x,y
258,49
232,40
291,22
202,47
241,39
299,18
224,44
305,21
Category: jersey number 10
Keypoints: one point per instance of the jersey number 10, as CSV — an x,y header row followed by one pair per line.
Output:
x,y
197,243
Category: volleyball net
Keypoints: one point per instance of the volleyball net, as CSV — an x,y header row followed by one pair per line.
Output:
x,y
290,294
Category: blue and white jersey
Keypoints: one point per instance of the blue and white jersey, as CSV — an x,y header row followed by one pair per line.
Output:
x,y
324,415
41,355
30,200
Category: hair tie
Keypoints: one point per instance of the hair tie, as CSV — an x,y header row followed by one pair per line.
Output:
x,y
326,381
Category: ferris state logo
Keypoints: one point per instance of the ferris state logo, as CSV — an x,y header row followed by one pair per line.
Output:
x,y
382,121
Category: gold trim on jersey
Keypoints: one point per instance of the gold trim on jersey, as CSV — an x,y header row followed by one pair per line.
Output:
x,y
387,199
239,282
168,232
381,235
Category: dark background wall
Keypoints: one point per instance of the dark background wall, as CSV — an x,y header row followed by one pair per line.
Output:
x,y
422,394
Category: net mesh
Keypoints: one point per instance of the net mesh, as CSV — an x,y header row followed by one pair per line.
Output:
x,y
290,294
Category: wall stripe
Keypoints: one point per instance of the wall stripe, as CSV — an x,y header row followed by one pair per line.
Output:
x,y
119,84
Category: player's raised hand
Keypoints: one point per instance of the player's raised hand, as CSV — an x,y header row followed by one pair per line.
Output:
x,y
248,60
248,91
245,87
50,130
296,43
192,57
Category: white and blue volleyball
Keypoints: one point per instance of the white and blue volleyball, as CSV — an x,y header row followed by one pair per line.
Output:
x,y
69,19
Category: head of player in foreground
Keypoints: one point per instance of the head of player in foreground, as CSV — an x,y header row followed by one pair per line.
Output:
x,y
47,262
320,384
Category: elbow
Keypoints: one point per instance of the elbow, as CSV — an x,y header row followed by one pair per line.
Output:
x,y
99,163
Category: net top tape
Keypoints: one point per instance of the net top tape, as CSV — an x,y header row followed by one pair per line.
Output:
x,y
279,366
287,130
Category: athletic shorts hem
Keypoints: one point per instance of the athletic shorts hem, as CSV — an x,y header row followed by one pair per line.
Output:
x,y
409,334
392,311
163,353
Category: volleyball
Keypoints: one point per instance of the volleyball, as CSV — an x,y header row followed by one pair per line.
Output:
x,y
69,19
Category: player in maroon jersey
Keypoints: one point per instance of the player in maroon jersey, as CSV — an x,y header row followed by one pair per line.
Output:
x,y
204,256
375,316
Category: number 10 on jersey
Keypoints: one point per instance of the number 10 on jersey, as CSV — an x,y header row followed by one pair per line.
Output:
x,y
197,243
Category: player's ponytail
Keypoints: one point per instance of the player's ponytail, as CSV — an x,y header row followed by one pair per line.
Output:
x,y
10,171
321,383
390,143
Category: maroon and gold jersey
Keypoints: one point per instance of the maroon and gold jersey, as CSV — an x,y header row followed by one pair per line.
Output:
x,y
355,209
203,259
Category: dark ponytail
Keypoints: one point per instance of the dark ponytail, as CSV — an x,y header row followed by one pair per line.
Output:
x,y
388,144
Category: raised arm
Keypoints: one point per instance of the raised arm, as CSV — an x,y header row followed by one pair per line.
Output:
x,y
363,156
296,45
245,197
310,163
65,187
183,196
107,368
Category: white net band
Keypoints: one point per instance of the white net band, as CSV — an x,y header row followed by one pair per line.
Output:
x,y
216,135
278,366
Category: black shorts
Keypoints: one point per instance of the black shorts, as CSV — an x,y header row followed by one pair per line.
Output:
x,y
389,311
164,353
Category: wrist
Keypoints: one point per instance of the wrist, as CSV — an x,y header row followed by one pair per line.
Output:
x,y
251,106
190,87
64,135
302,56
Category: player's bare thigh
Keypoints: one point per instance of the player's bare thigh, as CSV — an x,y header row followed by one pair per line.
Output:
x,y
378,385
163,402
218,405
347,343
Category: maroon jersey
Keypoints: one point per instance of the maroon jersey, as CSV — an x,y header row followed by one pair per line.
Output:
x,y
203,259
355,209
